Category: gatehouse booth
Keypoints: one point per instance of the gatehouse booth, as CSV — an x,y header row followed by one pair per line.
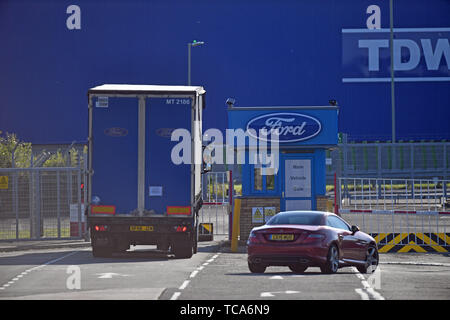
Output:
x,y
285,159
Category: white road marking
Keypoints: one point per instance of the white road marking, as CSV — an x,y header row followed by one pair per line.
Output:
x,y
276,277
58,259
375,294
367,288
18,277
109,275
359,275
193,274
175,296
364,296
266,294
272,294
365,284
406,263
184,285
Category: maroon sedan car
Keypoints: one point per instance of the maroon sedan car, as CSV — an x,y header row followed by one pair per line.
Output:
x,y
302,239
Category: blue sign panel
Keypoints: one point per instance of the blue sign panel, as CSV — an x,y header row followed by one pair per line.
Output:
x,y
313,126
285,127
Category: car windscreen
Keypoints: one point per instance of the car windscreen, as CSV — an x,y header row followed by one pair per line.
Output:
x,y
311,219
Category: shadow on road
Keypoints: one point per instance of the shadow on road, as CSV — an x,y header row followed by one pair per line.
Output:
x,y
84,256
287,274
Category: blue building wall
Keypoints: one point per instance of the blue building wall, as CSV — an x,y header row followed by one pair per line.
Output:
x,y
259,52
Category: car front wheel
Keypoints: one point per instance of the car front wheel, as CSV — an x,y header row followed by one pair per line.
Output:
x,y
371,261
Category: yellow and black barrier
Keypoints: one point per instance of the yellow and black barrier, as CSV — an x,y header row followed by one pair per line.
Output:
x,y
205,232
412,242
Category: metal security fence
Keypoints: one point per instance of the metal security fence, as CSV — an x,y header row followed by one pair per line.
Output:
x,y
398,211
390,160
41,203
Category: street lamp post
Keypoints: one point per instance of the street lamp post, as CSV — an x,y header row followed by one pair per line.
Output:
x,y
391,47
194,43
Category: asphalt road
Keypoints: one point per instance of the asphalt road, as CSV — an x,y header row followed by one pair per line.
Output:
x,y
51,274
214,273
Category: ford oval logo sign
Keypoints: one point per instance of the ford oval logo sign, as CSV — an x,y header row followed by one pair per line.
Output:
x,y
288,127
116,132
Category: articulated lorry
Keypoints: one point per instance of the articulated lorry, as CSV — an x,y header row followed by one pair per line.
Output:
x,y
144,167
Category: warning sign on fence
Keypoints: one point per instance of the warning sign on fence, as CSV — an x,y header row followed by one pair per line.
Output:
x,y
3,182
269,212
257,214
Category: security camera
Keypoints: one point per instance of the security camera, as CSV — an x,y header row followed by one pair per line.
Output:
x,y
230,102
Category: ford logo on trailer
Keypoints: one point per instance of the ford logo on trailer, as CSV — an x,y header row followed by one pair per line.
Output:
x,y
288,127
116,132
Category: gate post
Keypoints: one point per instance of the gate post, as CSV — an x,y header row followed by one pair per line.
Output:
x,y
39,228
230,204
236,221
336,207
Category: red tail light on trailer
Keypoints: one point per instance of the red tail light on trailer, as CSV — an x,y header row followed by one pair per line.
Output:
x,y
101,228
181,229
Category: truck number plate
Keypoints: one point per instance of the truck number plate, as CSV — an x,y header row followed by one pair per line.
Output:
x,y
141,228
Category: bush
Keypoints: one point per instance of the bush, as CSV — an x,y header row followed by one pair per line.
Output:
x,y
22,152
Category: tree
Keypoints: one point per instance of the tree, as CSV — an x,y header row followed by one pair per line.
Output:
x,y
22,152
59,159
9,143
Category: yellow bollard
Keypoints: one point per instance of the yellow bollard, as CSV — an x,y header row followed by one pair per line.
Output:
x,y
236,220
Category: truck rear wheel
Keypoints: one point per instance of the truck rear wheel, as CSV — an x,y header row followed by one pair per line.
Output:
x,y
183,250
121,246
101,252
101,247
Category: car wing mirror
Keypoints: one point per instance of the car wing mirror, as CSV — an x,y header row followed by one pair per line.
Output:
x,y
355,229
206,166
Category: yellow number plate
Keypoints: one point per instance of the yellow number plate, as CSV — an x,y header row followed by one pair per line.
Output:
x,y
141,228
282,237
